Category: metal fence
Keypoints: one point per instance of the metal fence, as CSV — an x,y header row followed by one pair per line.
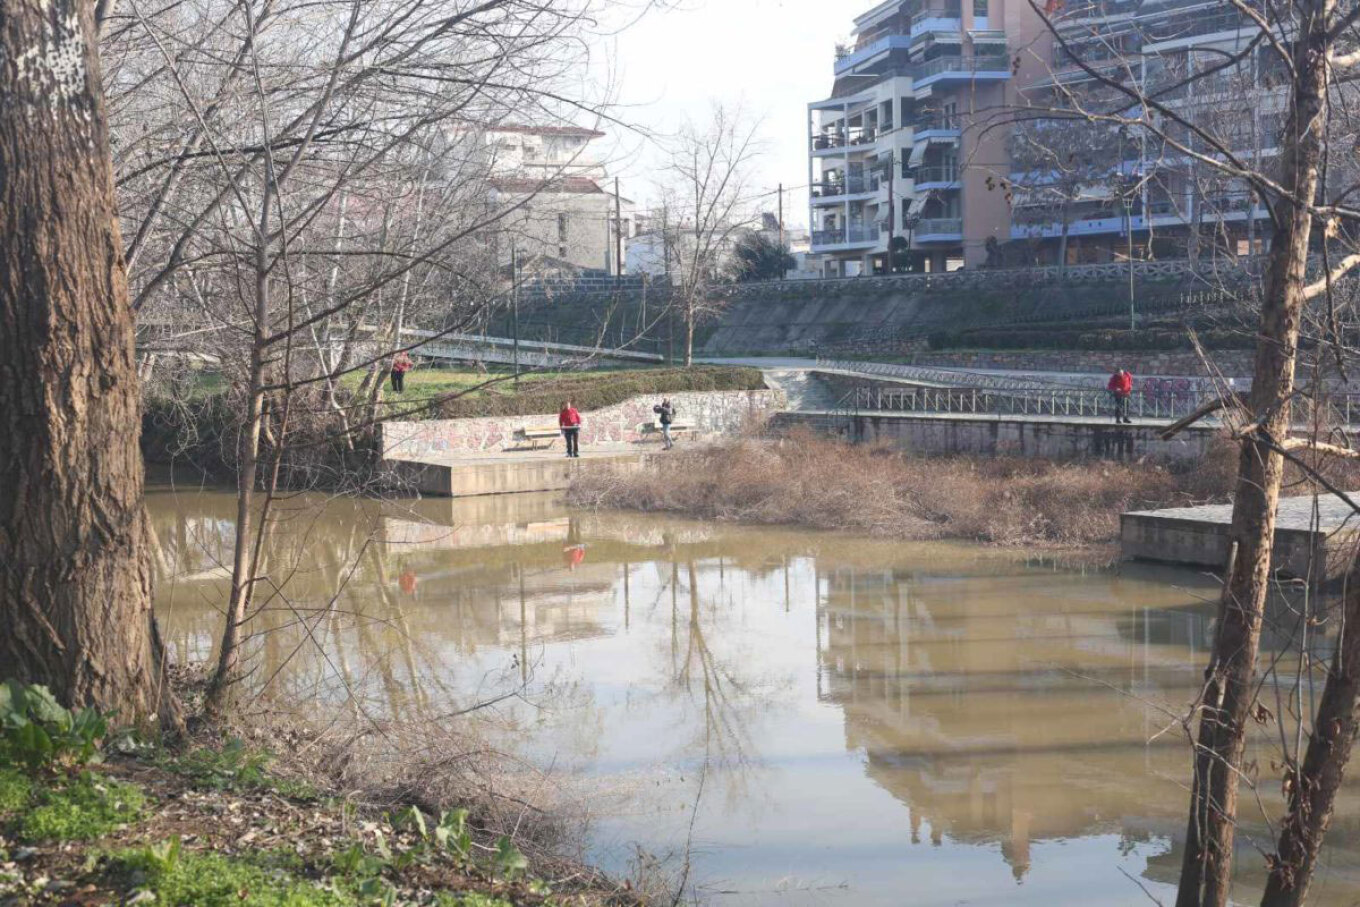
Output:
x,y
1339,409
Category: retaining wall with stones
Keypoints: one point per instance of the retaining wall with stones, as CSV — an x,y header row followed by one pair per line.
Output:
x,y
1007,436
710,412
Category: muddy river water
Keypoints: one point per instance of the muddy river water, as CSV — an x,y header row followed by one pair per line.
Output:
x,y
806,718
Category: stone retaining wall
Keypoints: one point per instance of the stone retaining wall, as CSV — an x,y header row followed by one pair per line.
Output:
x,y
1007,436
710,412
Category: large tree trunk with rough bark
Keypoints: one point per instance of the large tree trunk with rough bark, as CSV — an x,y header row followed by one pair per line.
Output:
x,y
1207,866
75,575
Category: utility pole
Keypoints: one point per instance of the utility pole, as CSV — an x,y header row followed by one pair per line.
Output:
x,y
618,233
1128,228
514,303
892,215
781,231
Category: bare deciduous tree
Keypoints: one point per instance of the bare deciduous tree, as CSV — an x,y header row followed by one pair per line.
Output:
x,y
709,202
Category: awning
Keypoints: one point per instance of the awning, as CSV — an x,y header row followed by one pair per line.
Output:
x,y
918,155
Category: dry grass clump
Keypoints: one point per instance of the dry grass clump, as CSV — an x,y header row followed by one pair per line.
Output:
x,y
806,480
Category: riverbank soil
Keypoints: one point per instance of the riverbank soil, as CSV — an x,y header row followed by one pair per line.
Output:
x,y
213,824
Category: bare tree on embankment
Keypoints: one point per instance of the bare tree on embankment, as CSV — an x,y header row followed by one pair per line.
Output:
x,y
710,203
75,578
1171,102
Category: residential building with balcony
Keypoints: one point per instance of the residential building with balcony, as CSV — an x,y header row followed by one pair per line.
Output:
x,y
1129,191
899,155
555,198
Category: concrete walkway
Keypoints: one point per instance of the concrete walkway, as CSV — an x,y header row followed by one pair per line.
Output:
x,y
1145,422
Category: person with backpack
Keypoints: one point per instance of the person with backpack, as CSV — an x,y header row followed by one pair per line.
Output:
x,y
666,411
569,420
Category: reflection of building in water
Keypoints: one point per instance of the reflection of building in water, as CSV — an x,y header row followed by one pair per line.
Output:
x,y
1006,713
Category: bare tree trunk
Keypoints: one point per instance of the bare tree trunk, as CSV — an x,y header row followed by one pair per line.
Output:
x,y
75,586
218,697
1207,866
689,334
1312,793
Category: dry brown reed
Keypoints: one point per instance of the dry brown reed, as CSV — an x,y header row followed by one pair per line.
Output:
x,y
806,480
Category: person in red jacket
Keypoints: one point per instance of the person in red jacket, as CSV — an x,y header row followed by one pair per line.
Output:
x,y
1121,388
401,364
569,420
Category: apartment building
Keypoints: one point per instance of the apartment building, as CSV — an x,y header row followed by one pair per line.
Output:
x,y
561,212
1121,192
900,155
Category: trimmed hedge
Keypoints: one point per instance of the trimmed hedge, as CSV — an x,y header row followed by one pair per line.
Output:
x,y
593,391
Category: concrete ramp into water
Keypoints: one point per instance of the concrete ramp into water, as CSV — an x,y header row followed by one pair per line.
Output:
x,y
1314,537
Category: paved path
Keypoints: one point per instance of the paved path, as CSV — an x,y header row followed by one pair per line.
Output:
x,y
1009,417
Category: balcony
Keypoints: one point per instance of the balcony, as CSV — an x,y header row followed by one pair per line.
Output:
x,y
928,128
1179,28
870,53
854,235
936,21
940,176
993,68
837,188
827,141
939,229
853,137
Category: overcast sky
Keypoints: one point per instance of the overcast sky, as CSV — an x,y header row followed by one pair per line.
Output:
x,y
771,56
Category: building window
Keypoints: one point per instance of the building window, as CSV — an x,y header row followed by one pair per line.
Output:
x,y
561,228
562,252
979,9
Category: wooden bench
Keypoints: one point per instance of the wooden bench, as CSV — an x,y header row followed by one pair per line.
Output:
x,y
651,431
538,437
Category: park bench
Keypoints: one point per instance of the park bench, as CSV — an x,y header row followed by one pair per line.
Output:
x,y
537,437
651,431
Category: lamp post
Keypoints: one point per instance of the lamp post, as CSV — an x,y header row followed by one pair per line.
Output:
x,y
1128,229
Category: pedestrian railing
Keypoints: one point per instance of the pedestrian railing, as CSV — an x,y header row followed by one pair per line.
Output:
x,y
1338,409
1059,403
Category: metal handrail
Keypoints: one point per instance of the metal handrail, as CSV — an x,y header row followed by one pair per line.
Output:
x,y
1343,407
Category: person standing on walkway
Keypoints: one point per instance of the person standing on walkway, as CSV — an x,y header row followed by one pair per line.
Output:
x,y
401,364
1121,388
569,420
666,412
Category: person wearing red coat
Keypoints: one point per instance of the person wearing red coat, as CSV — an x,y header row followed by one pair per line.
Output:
x,y
569,420
1121,388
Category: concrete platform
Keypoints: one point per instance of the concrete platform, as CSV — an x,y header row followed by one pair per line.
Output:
x,y
1306,543
508,472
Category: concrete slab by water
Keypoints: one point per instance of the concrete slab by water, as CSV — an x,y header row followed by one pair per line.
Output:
x,y
507,472
1313,536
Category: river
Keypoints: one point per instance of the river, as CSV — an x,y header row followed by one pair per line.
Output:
x,y
803,718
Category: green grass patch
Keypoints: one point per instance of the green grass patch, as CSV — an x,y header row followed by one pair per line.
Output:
x,y
233,767
541,394
214,880
79,809
15,791
476,899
